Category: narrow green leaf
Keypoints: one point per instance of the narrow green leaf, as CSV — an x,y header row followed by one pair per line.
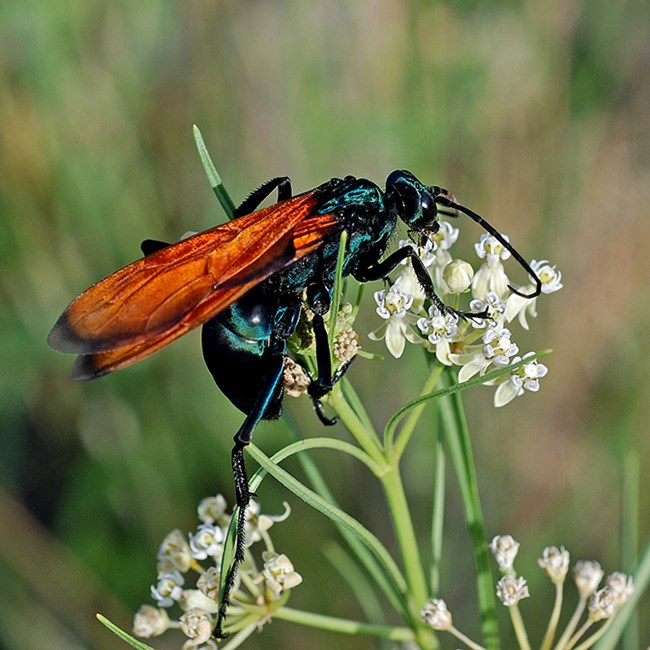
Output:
x,y
213,175
122,634
357,548
332,512
337,291
455,388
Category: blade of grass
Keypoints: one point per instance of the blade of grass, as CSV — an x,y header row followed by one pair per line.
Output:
x,y
213,175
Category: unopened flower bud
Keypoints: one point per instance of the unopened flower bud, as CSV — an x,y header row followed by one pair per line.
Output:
x,y
458,276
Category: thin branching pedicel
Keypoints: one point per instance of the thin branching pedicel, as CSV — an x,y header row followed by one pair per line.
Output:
x,y
594,606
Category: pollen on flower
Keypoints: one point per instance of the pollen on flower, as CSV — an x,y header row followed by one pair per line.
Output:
x,y
393,306
491,276
511,589
440,329
494,310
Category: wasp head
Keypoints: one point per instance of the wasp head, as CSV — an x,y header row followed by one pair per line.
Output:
x,y
414,202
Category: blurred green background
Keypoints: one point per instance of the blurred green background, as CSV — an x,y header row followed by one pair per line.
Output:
x,y
536,114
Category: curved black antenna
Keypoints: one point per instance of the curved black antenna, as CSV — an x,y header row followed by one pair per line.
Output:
x,y
447,202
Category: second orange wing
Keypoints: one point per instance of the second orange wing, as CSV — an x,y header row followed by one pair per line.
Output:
x,y
154,300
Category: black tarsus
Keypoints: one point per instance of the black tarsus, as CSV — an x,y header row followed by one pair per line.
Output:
x,y
381,270
447,202
255,198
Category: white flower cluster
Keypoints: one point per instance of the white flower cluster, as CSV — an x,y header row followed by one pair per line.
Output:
x,y
477,345
259,591
600,604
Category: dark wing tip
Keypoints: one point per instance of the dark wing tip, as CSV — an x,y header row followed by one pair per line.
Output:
x,y
63,338
85,369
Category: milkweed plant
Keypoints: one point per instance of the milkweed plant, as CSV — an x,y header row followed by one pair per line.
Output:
x,y
463,353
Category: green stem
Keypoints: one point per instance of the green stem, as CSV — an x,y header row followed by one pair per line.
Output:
x,y
395,445
460,450
520,628
358,426
404,531
437,519
343,625
555,617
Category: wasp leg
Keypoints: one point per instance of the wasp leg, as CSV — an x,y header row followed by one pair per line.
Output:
x,y
255,198
382,269
242,492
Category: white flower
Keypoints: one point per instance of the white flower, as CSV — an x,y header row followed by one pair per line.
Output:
x,y
445,238
168,589
587,575
439,329
174,553
511,589
195,598
498,347
206,542
442,242
555,561
393,306
197,625
523,378
425,252
257,524
550,277
208,583
621,584
494,311
150,621
436,615
278,574
519,306
491,276
603,604
213,510
410,285
505,549
491,249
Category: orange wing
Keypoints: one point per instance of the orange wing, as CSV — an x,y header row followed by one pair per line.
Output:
x,y
154,300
